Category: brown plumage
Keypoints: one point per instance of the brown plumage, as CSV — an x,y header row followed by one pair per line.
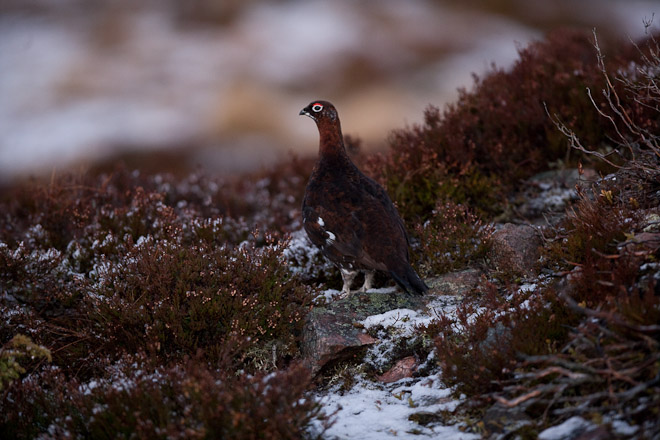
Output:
x,y
349,216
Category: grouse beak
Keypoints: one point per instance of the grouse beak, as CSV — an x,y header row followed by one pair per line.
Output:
x,y
304,112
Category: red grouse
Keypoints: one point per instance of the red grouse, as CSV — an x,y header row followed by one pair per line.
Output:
x,y
349,216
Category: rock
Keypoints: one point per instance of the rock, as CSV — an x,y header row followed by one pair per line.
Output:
x,y
403,368
516,249
455,283
566,178
545,196
651,222
331,333
643,241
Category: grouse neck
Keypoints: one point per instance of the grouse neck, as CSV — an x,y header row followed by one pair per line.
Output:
x,y
331,141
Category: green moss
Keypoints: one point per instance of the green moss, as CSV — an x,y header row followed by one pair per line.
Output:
x,y
19,350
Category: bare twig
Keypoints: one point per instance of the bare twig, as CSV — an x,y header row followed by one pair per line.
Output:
x,y
520,399
615,319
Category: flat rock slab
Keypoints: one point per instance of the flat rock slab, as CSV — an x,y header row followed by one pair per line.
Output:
x,y
331,333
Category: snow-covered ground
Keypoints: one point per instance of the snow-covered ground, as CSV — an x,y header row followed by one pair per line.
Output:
x,y
376,410
373,410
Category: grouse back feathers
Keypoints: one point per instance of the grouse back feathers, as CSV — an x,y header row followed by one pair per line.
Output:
x,y
349,216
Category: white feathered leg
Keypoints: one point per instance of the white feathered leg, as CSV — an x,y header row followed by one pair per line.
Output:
x,y
368,280
347,276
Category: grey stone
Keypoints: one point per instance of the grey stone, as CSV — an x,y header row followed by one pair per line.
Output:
x,y
516,249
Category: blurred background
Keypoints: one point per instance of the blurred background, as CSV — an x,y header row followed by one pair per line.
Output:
x,y
219,83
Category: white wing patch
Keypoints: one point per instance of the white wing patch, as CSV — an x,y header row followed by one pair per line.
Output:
x,y
331,238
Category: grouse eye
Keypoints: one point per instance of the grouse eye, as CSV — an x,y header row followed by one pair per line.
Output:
x,y
317,107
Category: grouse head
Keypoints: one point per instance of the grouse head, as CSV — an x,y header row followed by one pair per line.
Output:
x,y
331,142
322,112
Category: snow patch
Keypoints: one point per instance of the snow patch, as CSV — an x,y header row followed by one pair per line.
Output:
x,y
381,411
565,430
623,428
403,320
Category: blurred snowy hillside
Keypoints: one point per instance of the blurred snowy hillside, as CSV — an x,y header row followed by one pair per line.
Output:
x,y
87,80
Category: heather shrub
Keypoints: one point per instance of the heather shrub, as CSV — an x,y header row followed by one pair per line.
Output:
x,y
588,349
480,347
471,353
594,225
595,237
183,401
120,279
452,238
586,342
608,366
498,133
171,300
138,274
629,104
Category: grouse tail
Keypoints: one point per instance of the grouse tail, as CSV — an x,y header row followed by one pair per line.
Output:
x,y
410,281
